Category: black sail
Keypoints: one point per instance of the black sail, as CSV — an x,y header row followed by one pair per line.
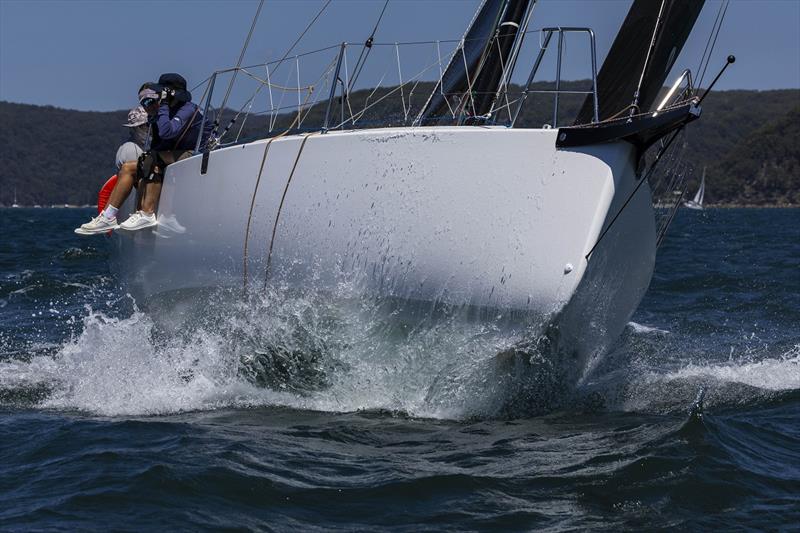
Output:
x,y
623,68
498,58
449,94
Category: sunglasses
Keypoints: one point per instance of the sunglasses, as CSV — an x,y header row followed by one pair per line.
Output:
x,y
147,101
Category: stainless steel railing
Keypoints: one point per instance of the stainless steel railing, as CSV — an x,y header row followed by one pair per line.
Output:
x,y
548,35
336,77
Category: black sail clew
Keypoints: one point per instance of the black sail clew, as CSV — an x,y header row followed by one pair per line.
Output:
x,y
622,69
465,70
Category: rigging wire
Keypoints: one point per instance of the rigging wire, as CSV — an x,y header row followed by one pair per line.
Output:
x,y
663,150
395,90
461,42
285,55
708,59
238,64
308,27
659,21
708,41
366,48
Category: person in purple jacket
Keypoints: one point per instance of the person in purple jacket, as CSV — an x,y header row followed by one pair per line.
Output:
x,y
175,125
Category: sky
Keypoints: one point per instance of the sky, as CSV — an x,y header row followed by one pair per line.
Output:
x,y
93,55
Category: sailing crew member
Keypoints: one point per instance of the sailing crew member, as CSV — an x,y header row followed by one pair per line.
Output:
x,y
175,125
128,152
135,145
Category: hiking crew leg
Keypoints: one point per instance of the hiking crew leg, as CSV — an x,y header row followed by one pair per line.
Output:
x,y
153,182
125,181
152,192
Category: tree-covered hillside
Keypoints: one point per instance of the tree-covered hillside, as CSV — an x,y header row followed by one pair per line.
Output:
x,y
56,156
748,140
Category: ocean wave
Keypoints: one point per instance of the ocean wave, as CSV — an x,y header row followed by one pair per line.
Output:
x,y
297,352
733,384
642,329
342,354
75,252
776,374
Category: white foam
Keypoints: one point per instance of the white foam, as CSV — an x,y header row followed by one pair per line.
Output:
x,y
641,328
115,368
774,374
127,367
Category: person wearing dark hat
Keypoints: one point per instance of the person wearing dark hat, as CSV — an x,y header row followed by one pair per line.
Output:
x,y
176,125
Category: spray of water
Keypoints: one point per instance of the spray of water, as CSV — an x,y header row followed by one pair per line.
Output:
x,y
309,351
339,352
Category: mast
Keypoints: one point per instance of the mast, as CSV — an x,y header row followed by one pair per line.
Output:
x,y
644,51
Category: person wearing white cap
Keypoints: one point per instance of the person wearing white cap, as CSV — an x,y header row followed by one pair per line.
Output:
x,y
127,156
135,146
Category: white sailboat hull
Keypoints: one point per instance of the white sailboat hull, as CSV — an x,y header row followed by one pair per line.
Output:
x,y
493,218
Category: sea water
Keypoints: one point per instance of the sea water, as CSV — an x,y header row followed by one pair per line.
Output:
x,y
288,410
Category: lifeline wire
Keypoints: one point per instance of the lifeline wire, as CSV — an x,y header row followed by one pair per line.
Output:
x,y
258,90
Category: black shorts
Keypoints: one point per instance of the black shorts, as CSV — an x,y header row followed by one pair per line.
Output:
x,y
151,165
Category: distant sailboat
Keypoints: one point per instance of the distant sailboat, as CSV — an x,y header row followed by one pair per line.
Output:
x,y
697,201
15,204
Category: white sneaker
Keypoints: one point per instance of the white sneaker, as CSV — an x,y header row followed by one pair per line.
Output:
x,y
139,220
170,223
99,224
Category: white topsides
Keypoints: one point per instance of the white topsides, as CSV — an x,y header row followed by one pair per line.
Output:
x,y
462,215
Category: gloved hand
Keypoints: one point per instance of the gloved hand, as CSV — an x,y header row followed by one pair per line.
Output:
x,y
162,97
